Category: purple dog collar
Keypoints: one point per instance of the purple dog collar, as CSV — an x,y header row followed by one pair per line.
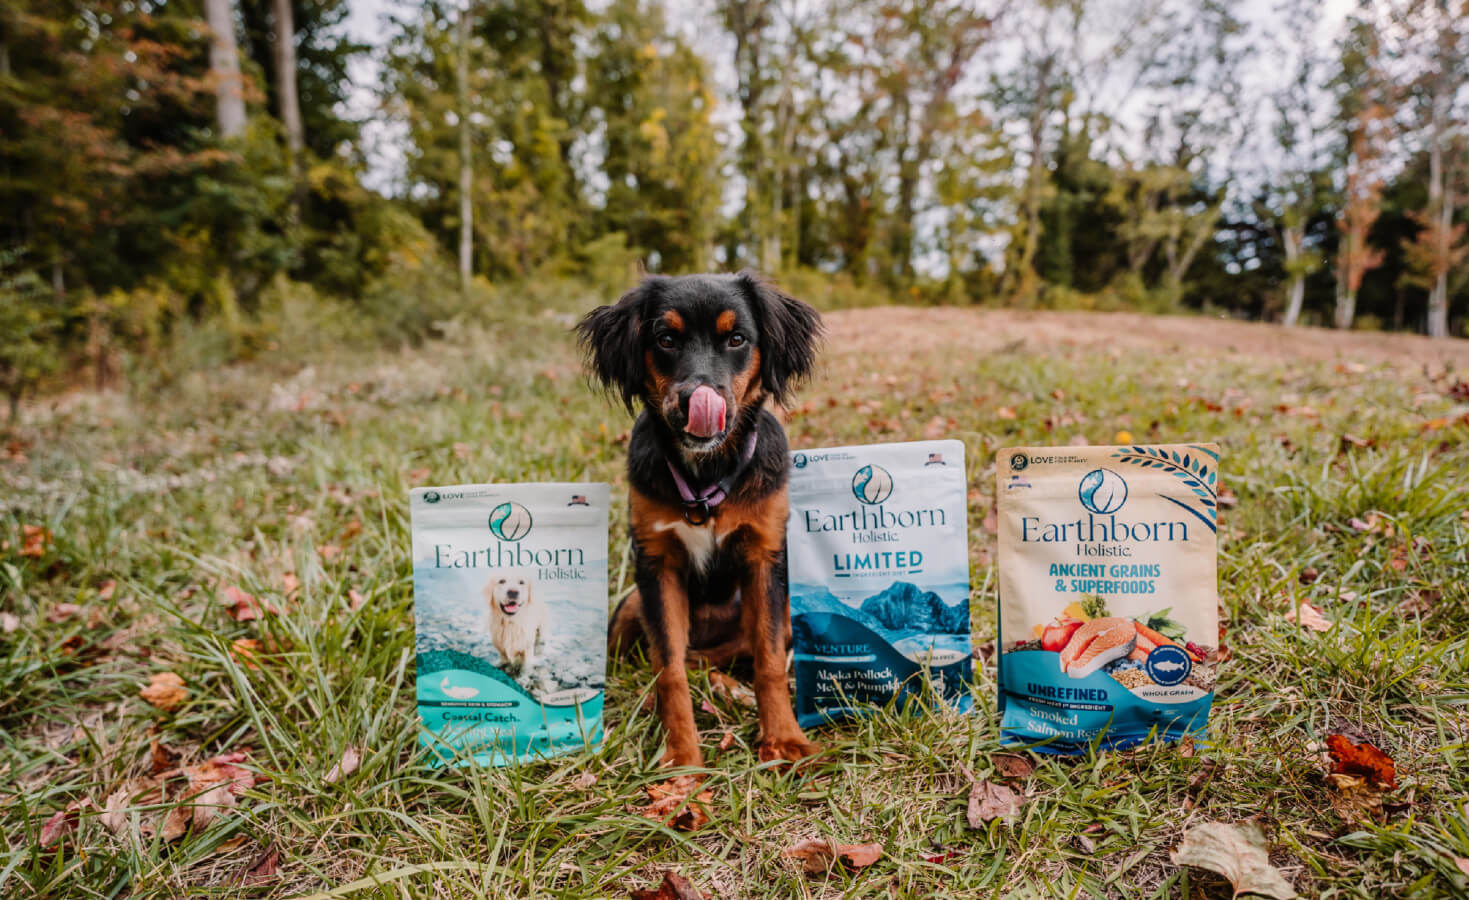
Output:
x,y
703,501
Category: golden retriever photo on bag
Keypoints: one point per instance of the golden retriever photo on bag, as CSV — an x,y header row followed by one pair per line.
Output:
x,y
515,619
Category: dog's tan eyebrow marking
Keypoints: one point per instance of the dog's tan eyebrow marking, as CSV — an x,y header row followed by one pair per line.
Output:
x,y
673,320
726,322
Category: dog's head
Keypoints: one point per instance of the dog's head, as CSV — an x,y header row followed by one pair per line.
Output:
x,y
700,351
509,592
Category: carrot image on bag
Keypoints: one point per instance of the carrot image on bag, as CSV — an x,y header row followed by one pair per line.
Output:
x,y
1107,593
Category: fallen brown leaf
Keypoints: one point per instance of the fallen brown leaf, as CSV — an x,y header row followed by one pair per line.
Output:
x,y
165,690
1462,863
1005,412
9,622
673,887
61,612
243,605
675,803
34,541
263,870
1308,616
584,781
351,758
989,801
1238,852
136,792
355,599
817,854
163,757
731,689
1012,765
246,652
107,589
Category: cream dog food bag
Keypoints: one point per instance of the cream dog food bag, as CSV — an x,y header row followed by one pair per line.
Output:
x,y
1108,594
510,601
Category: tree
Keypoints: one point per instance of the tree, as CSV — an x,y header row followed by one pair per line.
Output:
x,y
1366,124
224,68
289,105
1296,175
1433,36
466,167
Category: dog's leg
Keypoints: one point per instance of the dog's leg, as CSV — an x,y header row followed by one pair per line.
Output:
x,y
766,622
625,631
665,608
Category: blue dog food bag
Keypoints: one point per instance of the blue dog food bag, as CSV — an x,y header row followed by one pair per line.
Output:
x,y
1108,603
879,577
510,603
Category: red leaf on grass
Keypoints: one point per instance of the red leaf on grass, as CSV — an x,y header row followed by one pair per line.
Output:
x,y
1361,759
64,822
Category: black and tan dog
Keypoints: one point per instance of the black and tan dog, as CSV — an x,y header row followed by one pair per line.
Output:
x,y
707,469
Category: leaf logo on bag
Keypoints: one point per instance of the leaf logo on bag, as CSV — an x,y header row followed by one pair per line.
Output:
x,y
1102,491
510,521
872,485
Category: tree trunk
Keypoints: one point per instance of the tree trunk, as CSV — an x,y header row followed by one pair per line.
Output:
x,y
285,77
224,66
1346,306
1293,239
466,169
1440,208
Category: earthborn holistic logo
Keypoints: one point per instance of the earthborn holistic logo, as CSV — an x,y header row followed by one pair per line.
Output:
x,y
1019,461
510,521
799,460
431,497
1102,491
872,484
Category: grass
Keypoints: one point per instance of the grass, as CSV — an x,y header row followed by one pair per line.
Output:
x,y
238,476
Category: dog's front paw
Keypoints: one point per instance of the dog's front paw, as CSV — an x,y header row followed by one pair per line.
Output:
x,y
790,748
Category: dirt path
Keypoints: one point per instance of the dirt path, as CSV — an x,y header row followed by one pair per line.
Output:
x,y
970,330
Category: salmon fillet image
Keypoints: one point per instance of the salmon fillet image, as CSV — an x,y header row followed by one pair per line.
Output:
x,y
1097,643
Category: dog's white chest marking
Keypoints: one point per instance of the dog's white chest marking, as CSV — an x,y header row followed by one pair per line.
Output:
x,y
699,541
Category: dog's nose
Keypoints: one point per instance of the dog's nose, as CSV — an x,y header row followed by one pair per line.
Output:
x,y
512,593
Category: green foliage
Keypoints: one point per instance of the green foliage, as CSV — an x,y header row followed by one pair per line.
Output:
x,y
32,320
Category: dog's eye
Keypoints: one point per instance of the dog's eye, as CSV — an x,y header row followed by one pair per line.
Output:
x,y
737,340
666,341
502,581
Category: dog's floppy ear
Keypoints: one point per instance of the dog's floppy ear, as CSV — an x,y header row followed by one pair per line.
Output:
x,y
612,338
788,333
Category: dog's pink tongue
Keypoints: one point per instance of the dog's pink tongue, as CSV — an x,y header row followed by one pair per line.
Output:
x,y
706,412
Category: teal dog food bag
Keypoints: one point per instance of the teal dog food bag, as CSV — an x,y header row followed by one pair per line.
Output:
x,y
1108,603
879,577
510,604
